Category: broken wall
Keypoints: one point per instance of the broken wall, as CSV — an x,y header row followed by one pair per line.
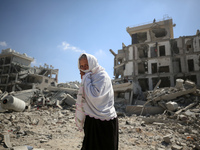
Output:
x,y
16,73
128,69
196,43
154,55
21,61
120,66
151,32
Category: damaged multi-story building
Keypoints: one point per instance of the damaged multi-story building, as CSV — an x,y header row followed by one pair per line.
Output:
x,y
16,73
155,54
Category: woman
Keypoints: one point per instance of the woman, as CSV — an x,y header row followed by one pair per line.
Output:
x,y
96,102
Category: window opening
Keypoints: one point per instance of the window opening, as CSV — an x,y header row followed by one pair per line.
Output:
x,y
190,65
162,50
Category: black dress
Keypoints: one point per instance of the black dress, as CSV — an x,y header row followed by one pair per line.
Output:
x,y
100,135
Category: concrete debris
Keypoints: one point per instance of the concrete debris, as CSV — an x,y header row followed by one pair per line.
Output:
x,y
173,112
159,68
25,89
22,86
167,139
148,110
70,100
173,100
7,140
46,126
22,100
41,116
172,106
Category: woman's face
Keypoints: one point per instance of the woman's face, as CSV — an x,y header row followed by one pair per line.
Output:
x,y
84,64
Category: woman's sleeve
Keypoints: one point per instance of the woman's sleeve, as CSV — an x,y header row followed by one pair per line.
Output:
x,y
94,88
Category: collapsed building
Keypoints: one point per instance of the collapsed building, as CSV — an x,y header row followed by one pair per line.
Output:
x,y
149,78
16,73
154,55
22,86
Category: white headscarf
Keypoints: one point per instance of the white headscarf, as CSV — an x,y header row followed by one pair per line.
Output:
x,y
98,91
92,62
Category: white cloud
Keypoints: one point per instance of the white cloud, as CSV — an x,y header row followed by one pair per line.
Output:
x,y
3,43
100,53
101,57
67,47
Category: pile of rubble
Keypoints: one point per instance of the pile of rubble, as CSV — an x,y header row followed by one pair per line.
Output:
x,y
172,100
44,128
174,110
36,119
17,110
51,96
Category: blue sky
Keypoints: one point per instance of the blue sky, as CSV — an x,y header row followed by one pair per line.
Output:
x,y
56,32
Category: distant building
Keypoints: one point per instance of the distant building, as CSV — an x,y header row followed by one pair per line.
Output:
x,y
16,73
154,54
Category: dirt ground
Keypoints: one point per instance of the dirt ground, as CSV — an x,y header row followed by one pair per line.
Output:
x,y
55,129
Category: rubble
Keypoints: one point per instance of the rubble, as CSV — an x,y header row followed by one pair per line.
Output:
x,y
156,79
42,117
172,112
24,91
45,126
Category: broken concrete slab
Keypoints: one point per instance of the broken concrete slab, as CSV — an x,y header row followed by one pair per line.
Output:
x,y
25,95
189,114
172,95
186,108
145,110
7,140
139,102
150,120
122,87
22,148
176,147
171,92
172,106
167,138
68,90
70,100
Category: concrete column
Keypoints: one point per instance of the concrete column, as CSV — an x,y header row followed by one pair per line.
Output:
x,y
172,81
150,83
198,78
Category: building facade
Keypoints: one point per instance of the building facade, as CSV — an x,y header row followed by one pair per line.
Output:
x,y
155,54
16,73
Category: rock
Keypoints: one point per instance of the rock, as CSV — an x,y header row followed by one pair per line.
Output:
x,y
167,139
190,114
172,106
176,147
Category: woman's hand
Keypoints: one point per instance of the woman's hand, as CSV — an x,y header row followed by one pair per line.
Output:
x,y
82,74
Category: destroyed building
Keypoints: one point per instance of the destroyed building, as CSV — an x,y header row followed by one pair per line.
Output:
x,y
23,86
154,55
16,73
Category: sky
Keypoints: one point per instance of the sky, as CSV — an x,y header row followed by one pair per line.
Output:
x,y
56,32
